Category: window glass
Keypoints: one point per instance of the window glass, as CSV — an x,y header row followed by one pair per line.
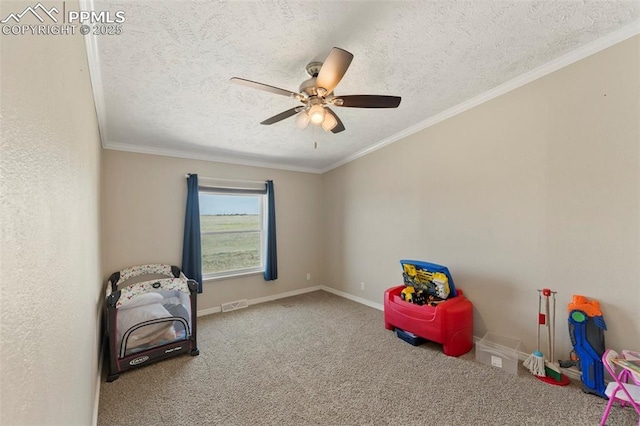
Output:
x,y
232,228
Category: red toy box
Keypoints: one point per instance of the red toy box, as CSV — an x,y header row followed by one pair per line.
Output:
x,y
449,323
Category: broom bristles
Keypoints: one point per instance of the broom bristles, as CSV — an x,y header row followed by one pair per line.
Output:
x,y
535,364
553,371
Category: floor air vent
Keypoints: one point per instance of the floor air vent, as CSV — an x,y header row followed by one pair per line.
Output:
x,y
232,306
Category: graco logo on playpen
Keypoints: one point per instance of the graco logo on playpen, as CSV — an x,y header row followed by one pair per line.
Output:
x,y
57,20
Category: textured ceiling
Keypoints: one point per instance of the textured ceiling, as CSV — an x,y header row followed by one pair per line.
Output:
x,y
164,83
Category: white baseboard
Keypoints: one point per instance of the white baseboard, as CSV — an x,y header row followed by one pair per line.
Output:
x,y
273,297
369,303
101,357
209,311
96,402
283,295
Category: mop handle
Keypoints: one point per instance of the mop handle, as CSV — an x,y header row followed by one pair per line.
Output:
x,y
550,321
553,328
539,308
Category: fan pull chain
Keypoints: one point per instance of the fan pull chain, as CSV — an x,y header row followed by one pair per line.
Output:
x,y
315,137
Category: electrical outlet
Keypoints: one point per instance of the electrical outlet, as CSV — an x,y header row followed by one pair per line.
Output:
x,y
362,285
308,276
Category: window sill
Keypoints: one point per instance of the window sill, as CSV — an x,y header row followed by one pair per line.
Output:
x,y
231,275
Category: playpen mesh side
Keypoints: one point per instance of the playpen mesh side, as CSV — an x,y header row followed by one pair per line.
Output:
x,y
155,319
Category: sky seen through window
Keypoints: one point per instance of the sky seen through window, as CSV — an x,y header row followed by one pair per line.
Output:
x,y
229,204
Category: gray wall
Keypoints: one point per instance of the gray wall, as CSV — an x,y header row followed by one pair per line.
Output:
x,y
144,197
537,188
51,290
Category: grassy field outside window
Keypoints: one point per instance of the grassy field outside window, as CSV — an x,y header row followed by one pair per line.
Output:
x,y
232,230
229,250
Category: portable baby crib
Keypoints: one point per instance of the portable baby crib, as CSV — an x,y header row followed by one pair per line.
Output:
x,y
147,321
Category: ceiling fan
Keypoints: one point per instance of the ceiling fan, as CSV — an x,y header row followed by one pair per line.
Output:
x,y
316,94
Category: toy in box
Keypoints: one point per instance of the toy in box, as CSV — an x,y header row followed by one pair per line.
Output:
x,y
448,322
430,279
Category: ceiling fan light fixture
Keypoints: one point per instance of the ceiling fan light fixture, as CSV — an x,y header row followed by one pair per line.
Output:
x,y
302,121
329,122
317,97
316,114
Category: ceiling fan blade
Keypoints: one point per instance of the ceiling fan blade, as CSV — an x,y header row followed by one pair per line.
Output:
x,y
264,87
368,101
333,69
338,127
279,117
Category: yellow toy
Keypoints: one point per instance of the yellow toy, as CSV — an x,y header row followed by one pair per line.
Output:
x,y
407,294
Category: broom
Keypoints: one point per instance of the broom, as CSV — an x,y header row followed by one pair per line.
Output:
x,y
535,362
551,369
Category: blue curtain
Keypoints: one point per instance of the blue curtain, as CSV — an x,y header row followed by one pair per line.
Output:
x,y
271,269
192,247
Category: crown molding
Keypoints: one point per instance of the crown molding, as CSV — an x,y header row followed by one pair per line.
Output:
x,y
543,70
93,61
118,146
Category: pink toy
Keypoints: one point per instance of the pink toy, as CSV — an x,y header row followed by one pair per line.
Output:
x,y
619,390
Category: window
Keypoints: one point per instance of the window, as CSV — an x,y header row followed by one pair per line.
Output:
x,y
232,227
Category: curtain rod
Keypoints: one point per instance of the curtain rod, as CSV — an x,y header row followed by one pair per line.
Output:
x,y
228,180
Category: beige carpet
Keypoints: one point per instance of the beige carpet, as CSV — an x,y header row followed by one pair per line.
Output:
x,y
319,359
